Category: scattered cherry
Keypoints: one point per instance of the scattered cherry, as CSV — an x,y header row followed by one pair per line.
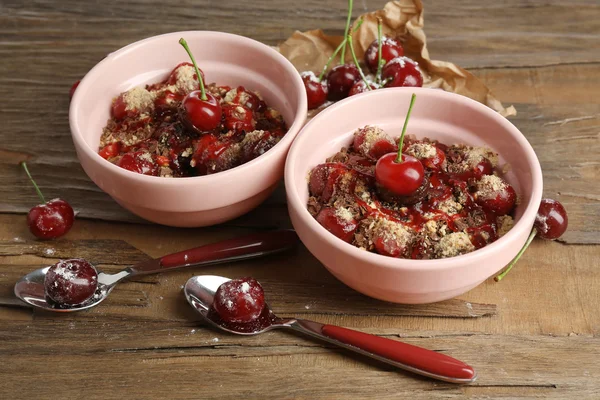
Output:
x,y
73,88
495,195
140,162
483,167
399,173
373,143
550,223
239,300
361,87
551,220
316,90
340,80
200,110
172,79
51,219
341,227
110,150
238,118
402,72
390,49
119,107
256,144
71,282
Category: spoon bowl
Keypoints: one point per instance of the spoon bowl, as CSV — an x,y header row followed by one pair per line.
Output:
x,y
200,292
31,290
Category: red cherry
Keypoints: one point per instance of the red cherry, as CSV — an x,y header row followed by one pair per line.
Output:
x,y
201,115
361,87
173,76
316,92
400,178
340,223
319,178
402,72
373,143
340,80
73,88
51,220
71,282
493,194
140,162
239,300
386,246
390,49
436,162
213,155
551,220
238,118
119,108
110,150
483,167
246,98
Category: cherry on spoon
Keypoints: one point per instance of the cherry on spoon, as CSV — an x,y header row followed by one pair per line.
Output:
x,y
200,110
31,287
550,223
200,293
401,174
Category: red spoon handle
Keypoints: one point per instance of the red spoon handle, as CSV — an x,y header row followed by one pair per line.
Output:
x,y
412,358
254,245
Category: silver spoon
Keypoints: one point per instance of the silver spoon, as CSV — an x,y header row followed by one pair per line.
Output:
x,y
200,291
30,288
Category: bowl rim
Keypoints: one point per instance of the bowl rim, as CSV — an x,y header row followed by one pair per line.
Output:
x,y
525,222
299,115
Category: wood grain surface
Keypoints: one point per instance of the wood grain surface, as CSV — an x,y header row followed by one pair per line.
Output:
x,y
533,335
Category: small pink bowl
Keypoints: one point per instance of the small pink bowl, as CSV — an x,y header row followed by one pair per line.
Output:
x,y
226,59
448,117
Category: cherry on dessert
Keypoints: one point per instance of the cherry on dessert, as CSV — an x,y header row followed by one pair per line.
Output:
x,y
71,282
245,98
239,300
51,219
110,150
238,118
401,174
483,167
257,143
140,162
390,49
372,143
316,90
550,223
340,80
174,75
319,177
119,107
436,162
212,154
73,88
200,110
495,195
402,72
339,221
551,220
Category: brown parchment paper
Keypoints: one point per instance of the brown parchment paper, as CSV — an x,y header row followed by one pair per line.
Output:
x,y
310,50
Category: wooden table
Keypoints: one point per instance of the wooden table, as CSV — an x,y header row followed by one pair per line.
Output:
x,y
534,335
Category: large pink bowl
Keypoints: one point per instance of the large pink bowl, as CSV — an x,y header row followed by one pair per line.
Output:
x,y
226,59
449,118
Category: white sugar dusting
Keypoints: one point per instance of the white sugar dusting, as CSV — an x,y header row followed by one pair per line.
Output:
x,y
49,251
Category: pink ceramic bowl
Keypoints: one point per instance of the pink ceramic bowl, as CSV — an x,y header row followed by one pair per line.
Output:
x,y
226,59
449,118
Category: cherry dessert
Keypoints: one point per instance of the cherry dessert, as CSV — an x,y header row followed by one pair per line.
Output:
x,y
402,72
239,300
173,129
419,208
550,223
401,174
49,220
71,282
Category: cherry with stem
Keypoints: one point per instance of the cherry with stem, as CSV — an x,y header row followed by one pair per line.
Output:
x,y
400,174
50,219
200,110
550,223
380,62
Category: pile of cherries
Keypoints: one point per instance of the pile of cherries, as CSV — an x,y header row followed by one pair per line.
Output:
x,y
384,58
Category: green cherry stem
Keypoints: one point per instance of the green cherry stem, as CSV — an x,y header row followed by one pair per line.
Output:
x,y
519,254
410,107
379,50
350,6
187,49
362,75
337,50
37,189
